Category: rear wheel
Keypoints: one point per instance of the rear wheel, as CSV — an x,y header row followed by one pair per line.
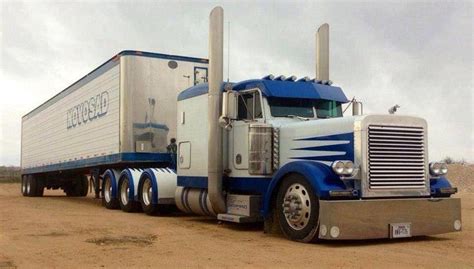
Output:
x,y
84,183
23,185
39,188
297,209
108,200
29,189
34,187
126,204
146,197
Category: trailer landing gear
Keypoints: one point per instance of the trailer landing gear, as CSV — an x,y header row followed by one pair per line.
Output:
x,y
78,187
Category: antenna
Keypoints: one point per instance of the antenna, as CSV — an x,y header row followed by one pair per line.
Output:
x,y
228,50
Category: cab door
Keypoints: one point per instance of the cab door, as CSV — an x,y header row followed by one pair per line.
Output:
x,y
249,110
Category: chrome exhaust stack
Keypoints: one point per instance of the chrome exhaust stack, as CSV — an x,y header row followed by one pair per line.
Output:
x,y
216,75
322,53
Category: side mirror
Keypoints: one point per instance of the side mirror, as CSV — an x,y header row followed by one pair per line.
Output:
x,y
357,108
229,105
229,109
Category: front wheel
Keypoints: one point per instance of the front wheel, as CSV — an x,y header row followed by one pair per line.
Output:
x,y
298,209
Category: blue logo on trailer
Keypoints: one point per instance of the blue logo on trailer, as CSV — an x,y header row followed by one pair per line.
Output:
x,y
89,110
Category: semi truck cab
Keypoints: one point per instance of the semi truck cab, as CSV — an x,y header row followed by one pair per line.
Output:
x,y
289,156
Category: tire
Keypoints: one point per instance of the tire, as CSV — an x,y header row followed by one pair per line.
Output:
x,y
145,194
39,189
69,190
126,204
84,183
30,186
23,185
297,209
107,200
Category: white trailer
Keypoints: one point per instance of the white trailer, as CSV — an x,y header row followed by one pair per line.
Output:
x,y
122,114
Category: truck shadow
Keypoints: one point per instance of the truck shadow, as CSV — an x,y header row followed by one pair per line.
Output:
x,y
248,227
372,242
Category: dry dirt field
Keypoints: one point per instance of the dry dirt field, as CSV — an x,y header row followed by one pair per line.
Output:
x,y
59,232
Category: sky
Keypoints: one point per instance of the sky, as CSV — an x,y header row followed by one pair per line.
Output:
x,y
416,54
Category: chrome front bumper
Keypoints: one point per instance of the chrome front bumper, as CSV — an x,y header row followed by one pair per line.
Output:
x,y
370,219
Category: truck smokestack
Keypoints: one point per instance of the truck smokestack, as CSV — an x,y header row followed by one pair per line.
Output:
x,y
322,53
216,70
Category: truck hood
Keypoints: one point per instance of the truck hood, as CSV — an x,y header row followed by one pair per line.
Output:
x,y
327,140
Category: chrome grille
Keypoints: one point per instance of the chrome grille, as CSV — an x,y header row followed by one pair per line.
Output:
x,y
396,156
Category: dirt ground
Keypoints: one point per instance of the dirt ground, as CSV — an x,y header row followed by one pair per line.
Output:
x,y
60,232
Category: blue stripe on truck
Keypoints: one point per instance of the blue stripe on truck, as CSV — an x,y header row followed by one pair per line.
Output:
x,y
125,157
246,184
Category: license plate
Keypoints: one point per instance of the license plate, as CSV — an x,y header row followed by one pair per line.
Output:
x,y
400,230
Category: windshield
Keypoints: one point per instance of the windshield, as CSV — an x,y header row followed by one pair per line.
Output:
x,y
280,107
283,107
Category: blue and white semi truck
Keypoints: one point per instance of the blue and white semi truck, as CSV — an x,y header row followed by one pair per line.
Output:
x,y
156,132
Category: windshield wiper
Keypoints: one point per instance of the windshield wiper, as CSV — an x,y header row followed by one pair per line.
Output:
x,y
297,117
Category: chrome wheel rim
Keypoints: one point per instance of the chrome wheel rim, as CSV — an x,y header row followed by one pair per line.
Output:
x,y
297,206
147,192
107,190
28,186
23,186
124,192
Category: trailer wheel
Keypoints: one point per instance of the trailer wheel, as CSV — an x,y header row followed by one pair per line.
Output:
x,y
84,185
146,194
23,185
108,200
39,188
126,204
298,209
30,186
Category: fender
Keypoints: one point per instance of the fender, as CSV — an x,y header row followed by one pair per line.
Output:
x,y
113,174
148,173
166,178
438,183
320,176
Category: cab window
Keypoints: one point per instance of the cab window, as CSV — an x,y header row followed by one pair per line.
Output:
x,y
328,109
249,106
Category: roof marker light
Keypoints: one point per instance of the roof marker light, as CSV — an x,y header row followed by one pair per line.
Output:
x,y
282,77
305,79
291,78
269,77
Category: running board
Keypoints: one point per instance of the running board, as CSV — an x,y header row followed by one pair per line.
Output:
x,y
242,209
238,218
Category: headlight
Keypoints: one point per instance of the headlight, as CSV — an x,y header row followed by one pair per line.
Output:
x,y
338,167
343,168
438,169
349,168
444,169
